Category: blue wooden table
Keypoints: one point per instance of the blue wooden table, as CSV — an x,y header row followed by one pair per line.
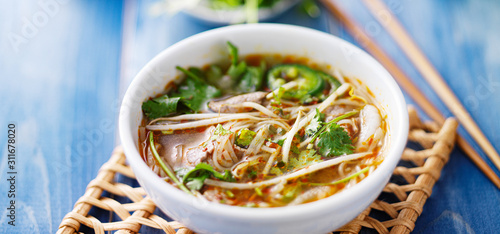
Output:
x,y
64,66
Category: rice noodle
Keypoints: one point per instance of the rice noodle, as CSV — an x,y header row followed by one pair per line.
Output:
x,y
197,116
287,86
289,138
281,123
238,169
260,108
271,160
201,123
257,142
268,149
229,149
301,172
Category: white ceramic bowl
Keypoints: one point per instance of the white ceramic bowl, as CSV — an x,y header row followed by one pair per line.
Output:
x,y
317,217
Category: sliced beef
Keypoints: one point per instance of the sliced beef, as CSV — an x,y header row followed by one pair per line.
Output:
x,y
199,154
226,105
175,145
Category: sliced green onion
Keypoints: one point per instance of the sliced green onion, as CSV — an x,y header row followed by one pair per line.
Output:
x,y
229,193
258,191
164,167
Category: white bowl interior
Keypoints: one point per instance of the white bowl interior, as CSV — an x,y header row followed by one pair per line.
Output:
x,y
208,47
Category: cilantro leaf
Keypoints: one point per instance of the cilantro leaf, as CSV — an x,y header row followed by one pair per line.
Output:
x,y
334,141
194,92
252,79
159,107
214,74
275,171
315,124
279,142
196,183
195,178
235,71
305,158
220,131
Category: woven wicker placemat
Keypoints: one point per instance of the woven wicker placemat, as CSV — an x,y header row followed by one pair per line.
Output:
x,y
395,211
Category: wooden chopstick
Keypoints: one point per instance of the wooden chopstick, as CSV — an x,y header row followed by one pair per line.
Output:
x,y
405,42
406,83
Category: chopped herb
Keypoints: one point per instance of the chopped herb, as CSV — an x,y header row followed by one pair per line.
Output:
x,y
250,205
291,191
258,192
221,131
167,132
180,172
252,79
275,171
252,174
233,52
278,95
196,183
237,68
235,71
305,158
272,129
334,141
246,78
334,121
160,106
279,142
315,124
245,137
214,74
294,149
189,73
229,193
194,92
195,178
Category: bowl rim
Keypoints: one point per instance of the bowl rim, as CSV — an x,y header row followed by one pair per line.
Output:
x,y
141,170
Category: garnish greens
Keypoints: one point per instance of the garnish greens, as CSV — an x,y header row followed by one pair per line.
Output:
x,y
221,131
305,158
315,124
246,78
334,141
195,178
160,106
194,91
201,86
